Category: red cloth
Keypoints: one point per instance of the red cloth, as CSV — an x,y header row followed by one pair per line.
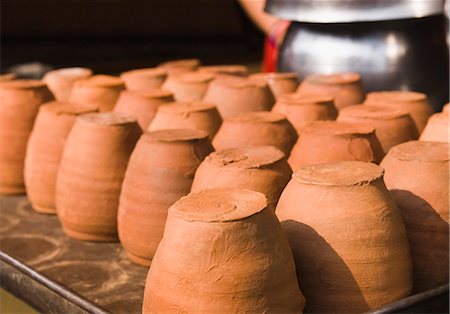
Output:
x,y
271,47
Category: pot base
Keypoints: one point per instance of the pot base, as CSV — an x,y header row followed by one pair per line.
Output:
x,y
44,209
89,236
139,260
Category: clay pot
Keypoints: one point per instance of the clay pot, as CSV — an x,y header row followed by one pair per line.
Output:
x,y
234,69
7,77
304,109
142,104
235,95
392,127
256,128
258,168
91,172
45,147
196,115
437,128
331,141
178,66
143,80
19,104
416,104
223,251
417,175
446,108
279,83
61,81
98,90
346,88
189,86
161,171
347,236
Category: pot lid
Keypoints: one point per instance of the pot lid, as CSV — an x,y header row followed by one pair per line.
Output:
x,y
344,11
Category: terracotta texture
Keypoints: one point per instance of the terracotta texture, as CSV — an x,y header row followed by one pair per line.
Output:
x,y
99,90
416,104
144,79
178,66
392,127
196,115
223,251
331,141
91,171
346,88
160,171
142,104
304,109
7,77
189,86
280,83
44,150
347,237
256,128
258,168
61,81
19,105
417,175
232,69
236,95
437,128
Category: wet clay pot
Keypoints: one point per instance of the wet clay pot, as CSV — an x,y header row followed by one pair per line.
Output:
x,y
160,171
346,88
256,128
61,81
142,104
416,104
236,95
19,105
99,90
223,251
279,83
91,172
347,236
196,115
258,168
331,141
7,77
144,80
392,126
304,109
45,147
437,128
178,66
232,69
417,175
189,86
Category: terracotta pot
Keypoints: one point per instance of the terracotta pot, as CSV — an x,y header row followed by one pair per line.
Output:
x,y
279,83
7,77
61,81
417,175
91,172
45,147
392,127
161,171
196,115
235,95
142,105
446,108
223,251
437,128
19,104
331,141
416,104
258,168
188,86
347,236
143,80
304,109
178,66
256,128
346,88
99,90
234,69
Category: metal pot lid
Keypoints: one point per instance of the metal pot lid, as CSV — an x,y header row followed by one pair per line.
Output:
x,y
344,11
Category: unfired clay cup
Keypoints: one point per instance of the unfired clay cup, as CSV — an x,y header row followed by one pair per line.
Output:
x,y
61,81
188,86
280,82
437,128
144,79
